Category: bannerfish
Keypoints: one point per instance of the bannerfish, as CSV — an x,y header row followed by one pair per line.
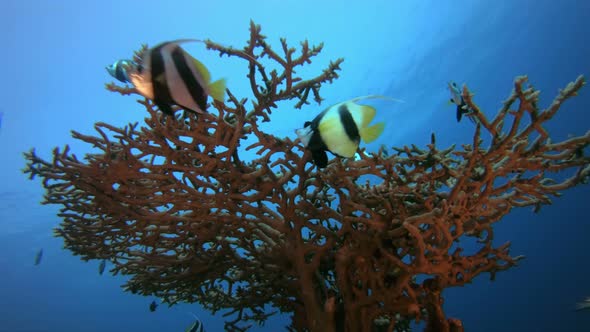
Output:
x,y
101,267
457,99
153,306
168,75
196,326
39,257
119,69
339,129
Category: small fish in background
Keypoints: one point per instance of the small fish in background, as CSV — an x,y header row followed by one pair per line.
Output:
x,y
357,156
384,154
101,266
196,326
169,76
1,116
457,99
153,306
119,69
584,305
339,129
39,257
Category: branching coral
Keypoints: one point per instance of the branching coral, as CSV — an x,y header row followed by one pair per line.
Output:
x,y
359,246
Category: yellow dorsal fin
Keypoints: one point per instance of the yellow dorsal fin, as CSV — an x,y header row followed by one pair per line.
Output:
x,y
203,71
369,134
217,90
368,113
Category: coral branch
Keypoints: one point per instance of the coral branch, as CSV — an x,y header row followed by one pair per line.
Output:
x,y
361,246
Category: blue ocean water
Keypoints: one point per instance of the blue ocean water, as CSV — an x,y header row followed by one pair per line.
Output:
x,y
53,59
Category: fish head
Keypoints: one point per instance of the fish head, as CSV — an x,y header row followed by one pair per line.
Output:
x,y
140,74
304,134
111,69
141,78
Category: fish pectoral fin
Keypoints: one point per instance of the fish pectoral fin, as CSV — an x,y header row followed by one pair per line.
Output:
x,y
217,90
203,71
369,134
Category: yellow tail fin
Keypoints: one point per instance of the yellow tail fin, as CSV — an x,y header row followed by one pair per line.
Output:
x,y
217,90
368,113
369,134
202,70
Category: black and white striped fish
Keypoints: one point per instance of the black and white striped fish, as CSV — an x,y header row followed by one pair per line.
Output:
x,y
339,129
169,76
196,326
457,99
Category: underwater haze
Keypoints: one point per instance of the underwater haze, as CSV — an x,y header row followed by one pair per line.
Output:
x,y
53,76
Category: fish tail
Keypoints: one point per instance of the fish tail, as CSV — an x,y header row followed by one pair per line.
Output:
x,y
217,89
369,134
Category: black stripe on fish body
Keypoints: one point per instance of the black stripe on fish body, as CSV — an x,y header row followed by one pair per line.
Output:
x,y
462,109
316,142
350,127
195,89
459,113
197,326
318,149
162,97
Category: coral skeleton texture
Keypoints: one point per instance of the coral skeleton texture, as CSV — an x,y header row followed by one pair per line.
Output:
x,y
364,245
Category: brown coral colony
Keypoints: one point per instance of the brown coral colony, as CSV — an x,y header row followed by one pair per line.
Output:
x,y
172,205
